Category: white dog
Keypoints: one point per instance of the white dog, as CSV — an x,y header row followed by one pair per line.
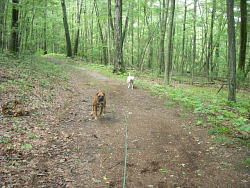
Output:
x,y
130,81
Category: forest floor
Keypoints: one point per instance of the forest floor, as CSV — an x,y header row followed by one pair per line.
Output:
x,y
164,149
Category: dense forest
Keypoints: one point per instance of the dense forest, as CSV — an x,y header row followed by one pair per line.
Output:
x,y
132,93
199,38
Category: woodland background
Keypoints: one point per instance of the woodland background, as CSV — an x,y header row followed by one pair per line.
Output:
x,y
189,38
192,54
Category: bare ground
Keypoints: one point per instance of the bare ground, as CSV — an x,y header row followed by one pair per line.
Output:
x,y
164,149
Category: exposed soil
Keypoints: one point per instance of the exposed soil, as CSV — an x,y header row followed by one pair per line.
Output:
x,y
164,148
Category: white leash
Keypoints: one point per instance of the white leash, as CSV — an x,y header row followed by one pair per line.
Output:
x,y
125,173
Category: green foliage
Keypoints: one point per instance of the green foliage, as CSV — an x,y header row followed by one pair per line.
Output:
x,y
241,78
26,146
245,128
164,171
32,135
169,103
4,141
223,140
14,164
183,115
220,130
199,122
247,161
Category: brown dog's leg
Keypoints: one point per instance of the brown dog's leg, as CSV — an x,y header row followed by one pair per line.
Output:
x,y
101,111
92,110
104,110
95,111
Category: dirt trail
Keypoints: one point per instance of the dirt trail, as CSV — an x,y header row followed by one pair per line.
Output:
x,y
164,149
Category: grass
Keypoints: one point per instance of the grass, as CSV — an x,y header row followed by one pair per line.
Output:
x,y
247,161
225,118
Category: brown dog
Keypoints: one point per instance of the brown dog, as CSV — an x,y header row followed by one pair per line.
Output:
x,y
99,101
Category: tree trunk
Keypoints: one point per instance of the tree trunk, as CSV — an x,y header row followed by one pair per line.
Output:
x,y
32,46
14,46
183,38
231,52
79,12
2,11
104,48
210,45
45,51
207,65
66,28
110,18
119,65
150,37
111,35
169,63
132,36
243,35
194,41
162,34
92,36
138,35
126,26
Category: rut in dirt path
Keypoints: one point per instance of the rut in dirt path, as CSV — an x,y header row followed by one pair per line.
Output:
x,y
164,150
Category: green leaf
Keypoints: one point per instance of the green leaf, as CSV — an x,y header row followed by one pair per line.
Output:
x,y
199,122
32,135
245,128
163,171
26,146
4,141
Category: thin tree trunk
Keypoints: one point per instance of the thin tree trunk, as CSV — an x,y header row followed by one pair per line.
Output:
x,y
132,36
126,25
119,64
210,45
32,24
23,23
169,63
2,11
194,41
45,51
162,34
14,46
243,35
66,28
150,36
104,48
231,52
110,34
92,36
138,35
79,12
86,33
207,65
110,18
183,38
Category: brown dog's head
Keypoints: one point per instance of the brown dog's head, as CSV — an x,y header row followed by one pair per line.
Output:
x,y
100,97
